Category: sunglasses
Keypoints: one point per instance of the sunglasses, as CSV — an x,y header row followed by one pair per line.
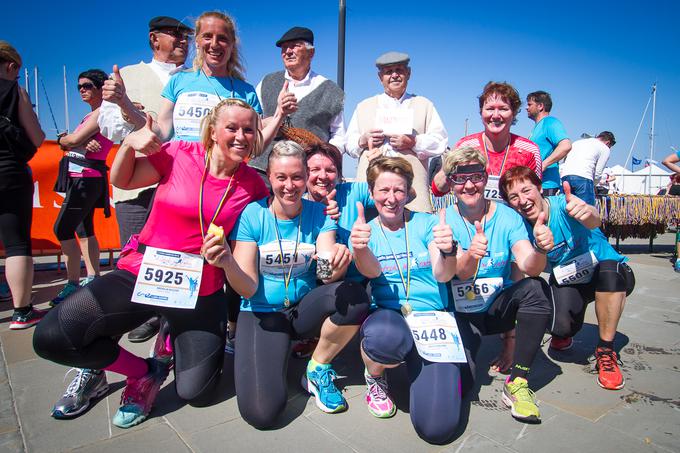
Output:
x,y
176,34
462,178
86,85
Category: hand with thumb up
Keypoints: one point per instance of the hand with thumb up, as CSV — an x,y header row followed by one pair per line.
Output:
x,y
113,89
576,208
543,237
286,101
479,243
144,140
443,234
361,231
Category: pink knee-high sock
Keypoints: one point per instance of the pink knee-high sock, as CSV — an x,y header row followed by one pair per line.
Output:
x,y
128,365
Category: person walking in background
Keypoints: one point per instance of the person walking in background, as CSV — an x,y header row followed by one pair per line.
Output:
x,y
20,136
550,136
585,163
672,161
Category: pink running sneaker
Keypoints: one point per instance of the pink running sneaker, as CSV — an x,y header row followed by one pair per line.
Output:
x,y
139,395
162,349
379,403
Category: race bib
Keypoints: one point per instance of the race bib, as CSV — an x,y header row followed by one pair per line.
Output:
x,y
473,297
577,271
491,191
190,109
436,336
168,279
276,265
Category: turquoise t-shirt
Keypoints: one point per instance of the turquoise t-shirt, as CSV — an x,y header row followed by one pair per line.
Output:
x,y
347,195
387,290
257,224
547,133
572,238
195,94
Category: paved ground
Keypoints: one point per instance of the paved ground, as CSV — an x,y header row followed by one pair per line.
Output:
x,y
577,414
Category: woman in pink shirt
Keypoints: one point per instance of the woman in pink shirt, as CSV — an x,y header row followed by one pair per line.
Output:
x,y
201,187
82,175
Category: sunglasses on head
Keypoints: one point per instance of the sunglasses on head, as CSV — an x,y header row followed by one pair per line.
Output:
x,y
462,178
86,85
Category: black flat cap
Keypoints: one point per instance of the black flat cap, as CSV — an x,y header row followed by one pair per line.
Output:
x,y
295,33
160,22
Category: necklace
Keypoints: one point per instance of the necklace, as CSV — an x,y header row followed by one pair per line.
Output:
x,y
470,294
406,308
505,155
286,276
220,205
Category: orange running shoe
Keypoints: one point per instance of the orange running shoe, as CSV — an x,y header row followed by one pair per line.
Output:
x,y
608,372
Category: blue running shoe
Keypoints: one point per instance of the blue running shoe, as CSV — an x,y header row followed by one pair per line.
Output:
x,y
66,291
320,384
676,266
139,395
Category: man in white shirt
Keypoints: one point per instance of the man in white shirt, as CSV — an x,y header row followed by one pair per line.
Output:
x,y
312,102
397,123
584,164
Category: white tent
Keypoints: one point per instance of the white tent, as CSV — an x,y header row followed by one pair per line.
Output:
x,y
647,180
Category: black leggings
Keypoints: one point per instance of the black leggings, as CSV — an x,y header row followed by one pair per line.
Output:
x,y
16,214
80,332
570,301
435,388
76,215
523,306
263,343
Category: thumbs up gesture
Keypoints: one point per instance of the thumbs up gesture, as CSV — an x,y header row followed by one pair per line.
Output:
x,y
576,208
286,100
144,140
479,243
361,231
113,89
332,209
542,234
443,234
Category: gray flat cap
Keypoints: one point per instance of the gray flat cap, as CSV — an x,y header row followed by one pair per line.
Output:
x,y
392,58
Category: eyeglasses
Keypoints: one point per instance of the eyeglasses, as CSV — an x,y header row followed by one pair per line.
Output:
x,y
86,85
462,178
177,34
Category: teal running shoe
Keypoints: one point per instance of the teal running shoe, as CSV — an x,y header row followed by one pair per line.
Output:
x,y
139,395
319,382
66,291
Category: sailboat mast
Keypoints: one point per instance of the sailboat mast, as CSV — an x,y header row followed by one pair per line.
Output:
x,y
651,140
66,101
35,92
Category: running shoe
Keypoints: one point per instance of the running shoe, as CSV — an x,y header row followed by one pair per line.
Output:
x,y
230,345
162,349
5,293
608,372
521,400
66,291
676,266
87,280
561,343
319,382
304,348
378,400
87,387
26,320
139,395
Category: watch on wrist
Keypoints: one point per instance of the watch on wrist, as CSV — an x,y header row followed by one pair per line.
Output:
x,y
454,249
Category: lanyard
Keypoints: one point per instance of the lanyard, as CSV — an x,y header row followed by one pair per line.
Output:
x,y
231,85
200,196
505,155
286,278
405,282
470,294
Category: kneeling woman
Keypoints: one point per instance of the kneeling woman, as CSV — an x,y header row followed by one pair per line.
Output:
x,y
584,268
489,290
198,184
273,268
406,254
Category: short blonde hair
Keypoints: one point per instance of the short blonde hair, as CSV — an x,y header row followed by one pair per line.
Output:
x,y
235,67
208,125
287,148
454,158
9,53
396,165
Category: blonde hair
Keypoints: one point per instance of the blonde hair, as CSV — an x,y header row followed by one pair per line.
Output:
x,y
287,148
235,67
397,165
458,156
9,53
208,125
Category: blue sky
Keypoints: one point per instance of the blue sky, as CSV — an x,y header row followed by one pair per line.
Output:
x,y
597,59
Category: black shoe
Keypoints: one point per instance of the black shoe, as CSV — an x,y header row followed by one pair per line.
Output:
x,y
146,331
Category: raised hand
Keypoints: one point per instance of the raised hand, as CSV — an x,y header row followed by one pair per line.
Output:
x,y
542,234
443,234
576,208
144,140
361,231
215,250
332,209
286,100
113,89
479,243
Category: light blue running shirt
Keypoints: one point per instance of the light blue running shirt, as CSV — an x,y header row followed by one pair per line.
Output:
x,y
347,195
547,133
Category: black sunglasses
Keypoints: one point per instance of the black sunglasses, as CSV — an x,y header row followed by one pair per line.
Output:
x,y
86,85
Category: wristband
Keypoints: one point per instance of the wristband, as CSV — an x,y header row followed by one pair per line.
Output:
x,y
454,249
540,249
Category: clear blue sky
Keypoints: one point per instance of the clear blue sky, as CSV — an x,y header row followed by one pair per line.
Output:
x,y
597,59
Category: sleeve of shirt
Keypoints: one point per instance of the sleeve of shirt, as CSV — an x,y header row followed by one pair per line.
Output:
x,y
515,225
254,101
556,132
432,221
169,90
352,147
601,162
244,227
337,131
258,92
433,142
111,122
163,160
328,223
535,161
